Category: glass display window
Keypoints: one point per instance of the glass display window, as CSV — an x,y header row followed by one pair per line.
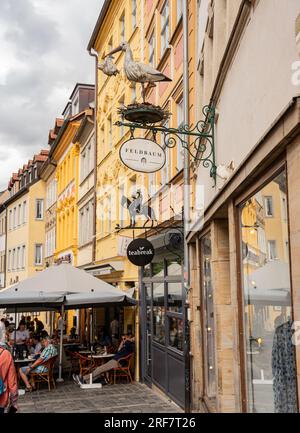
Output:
x,y
270,354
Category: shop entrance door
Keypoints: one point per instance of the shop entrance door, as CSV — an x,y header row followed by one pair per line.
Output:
x,y
148,334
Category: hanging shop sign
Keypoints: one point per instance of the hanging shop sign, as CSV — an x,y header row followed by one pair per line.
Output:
x,y
140,154
140,252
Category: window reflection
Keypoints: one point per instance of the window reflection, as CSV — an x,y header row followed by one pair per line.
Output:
x,y
174,291
174,267
176,333
271,372
209,331
158,313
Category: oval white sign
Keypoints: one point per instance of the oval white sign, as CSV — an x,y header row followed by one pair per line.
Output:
x,y
140,154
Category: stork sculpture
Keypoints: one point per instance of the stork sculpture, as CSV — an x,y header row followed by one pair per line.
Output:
x,y
138,72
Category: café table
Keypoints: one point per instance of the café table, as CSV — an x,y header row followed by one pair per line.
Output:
x,y
100,359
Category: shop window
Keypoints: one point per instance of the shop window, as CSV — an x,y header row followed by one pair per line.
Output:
x,y
270,352
158,269
158,313
208,316
176,333
174,267
174,291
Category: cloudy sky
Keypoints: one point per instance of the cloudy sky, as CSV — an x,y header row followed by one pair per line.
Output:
x,y
43,55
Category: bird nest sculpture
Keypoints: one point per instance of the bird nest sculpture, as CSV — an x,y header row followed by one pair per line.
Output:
x,y
144,113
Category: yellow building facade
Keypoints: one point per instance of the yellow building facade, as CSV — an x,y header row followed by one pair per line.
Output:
x,y
66,153
153,29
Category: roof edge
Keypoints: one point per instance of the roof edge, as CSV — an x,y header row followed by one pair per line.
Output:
x,y
99,22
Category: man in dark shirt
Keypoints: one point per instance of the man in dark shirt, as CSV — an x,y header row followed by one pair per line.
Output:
x,y
126,348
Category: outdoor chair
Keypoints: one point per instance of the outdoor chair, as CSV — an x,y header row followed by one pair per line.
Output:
x,y
123,370
86,364
37,378
73,362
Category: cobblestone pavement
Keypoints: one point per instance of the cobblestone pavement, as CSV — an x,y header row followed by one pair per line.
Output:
x,y
124,398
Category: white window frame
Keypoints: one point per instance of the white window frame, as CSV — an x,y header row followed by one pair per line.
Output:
x,y
267,214
36,246
180,122
134,14
165,27
274,243
151,59
39,200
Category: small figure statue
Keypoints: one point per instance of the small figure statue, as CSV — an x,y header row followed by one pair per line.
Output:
x,y
108,67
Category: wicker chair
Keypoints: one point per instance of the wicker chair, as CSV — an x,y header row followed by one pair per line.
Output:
x,y
86,364
47,376
123,370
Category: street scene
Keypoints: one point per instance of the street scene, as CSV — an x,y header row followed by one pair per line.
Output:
x,y
149,207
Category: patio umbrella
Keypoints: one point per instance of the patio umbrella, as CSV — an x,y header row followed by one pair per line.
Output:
x,y
59,287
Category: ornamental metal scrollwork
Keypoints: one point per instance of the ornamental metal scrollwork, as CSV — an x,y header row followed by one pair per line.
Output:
x,y
199,140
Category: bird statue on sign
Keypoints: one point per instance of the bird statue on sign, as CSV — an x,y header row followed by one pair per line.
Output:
x,y
139,72
108,67
136,207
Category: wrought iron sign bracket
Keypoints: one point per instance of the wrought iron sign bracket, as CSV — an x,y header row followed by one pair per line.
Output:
x,y
198,140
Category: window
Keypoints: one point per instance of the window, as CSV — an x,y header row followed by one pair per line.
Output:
x,y
39,208
122,210
122,27
13,259
19,214
268,202
165,171
76,106
102,135
9,261
24,212
267,308
164,33
110,132
19,258
15,218
272,250
152,49
179,9
86,223
10,226
180,122
38,255
101,213
133,14
208,316
109,214
121,128
158,313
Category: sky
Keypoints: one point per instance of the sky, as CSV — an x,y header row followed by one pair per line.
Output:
x,y
42,56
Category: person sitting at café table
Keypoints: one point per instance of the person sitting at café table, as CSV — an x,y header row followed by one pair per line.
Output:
x,y
126,348
35,346
22,338
48,352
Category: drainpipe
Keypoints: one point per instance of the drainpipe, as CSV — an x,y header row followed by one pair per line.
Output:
x,y
95,55
186,205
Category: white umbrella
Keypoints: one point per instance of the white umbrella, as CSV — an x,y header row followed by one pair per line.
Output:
x,y
270,284
62,285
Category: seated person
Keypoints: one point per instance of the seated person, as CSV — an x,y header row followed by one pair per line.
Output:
x,y
48,352
73,334
22,339
35,347
126,347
